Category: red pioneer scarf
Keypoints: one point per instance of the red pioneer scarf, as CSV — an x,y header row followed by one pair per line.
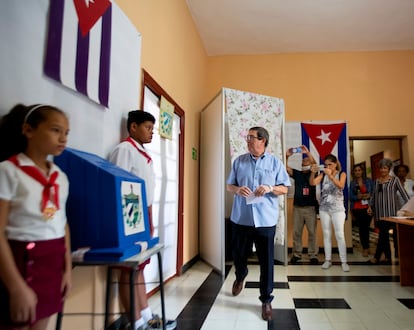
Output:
x,y
48,185
142,152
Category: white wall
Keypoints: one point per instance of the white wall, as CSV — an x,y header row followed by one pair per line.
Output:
x,y
93,128
23,28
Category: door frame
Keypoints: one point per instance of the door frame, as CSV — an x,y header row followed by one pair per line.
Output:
x,y
149,82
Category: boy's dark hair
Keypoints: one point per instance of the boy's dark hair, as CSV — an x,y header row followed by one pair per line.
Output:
x,y
11,124
138,117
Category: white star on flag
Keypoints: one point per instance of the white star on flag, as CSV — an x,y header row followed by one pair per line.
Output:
x,y
87,2
324,137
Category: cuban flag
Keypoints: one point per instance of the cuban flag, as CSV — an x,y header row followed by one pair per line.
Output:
x,y
92,48
328,138
322,138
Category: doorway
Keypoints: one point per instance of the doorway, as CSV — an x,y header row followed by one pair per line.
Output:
x,y
370,150
168,156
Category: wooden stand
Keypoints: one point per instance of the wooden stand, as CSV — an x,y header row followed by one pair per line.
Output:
x,y
131,263
405,232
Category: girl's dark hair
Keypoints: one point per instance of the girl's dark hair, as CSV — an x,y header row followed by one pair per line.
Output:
x,y
12,139
138,117
262,133
335,160
360,166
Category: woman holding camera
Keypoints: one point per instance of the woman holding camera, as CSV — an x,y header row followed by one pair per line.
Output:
x,y
331,208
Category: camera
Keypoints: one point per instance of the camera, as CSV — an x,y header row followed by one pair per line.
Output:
x,y
296,150
321,167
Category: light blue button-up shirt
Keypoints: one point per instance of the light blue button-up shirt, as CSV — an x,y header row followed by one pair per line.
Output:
x,y
247,171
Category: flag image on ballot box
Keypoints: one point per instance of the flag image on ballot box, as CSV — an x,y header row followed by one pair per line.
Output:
x,y
93,48
133,212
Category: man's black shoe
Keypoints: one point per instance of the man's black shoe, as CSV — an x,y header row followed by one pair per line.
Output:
x,y
294,259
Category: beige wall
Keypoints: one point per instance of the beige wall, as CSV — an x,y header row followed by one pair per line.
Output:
x,y
371,90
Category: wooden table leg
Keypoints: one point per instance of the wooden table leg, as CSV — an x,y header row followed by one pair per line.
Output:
x,y
406,254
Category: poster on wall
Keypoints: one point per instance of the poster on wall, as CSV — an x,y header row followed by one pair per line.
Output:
x,y
165,126
92,48
132,208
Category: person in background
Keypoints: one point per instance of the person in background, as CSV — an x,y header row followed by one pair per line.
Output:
x,y
385,202
259,177
35,254
132,156
401,171
305,206
331,208
360,191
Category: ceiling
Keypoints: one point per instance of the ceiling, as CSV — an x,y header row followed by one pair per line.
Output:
x,y
242,27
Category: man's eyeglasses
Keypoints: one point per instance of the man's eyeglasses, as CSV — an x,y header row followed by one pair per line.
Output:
x,y
252,137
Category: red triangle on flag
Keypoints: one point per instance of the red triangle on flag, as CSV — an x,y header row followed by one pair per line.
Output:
x,y
324,136
89,12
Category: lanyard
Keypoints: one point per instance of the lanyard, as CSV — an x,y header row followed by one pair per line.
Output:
x,y
142,152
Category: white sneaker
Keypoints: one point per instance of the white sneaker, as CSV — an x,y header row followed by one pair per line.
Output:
x,y
345,267
327,264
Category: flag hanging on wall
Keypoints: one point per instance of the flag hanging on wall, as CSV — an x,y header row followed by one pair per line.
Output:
x,y
92,48
328,138
321,138
324,139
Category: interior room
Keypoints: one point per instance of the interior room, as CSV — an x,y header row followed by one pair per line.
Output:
x,y
350,61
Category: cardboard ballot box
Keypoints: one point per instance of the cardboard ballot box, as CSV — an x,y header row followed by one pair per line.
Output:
x,y
106,208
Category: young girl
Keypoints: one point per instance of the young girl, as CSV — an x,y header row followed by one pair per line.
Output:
x,y
35,262
331,208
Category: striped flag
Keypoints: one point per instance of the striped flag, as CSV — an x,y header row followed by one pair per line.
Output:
x,y
322,138
330,138
93,48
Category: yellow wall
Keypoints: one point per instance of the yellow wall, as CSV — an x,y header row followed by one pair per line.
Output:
x,y
172,53
367,89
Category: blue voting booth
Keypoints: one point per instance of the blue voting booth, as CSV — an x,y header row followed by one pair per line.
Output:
x,y
106,208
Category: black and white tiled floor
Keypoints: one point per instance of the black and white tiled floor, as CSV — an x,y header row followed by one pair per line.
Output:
x,y
306,297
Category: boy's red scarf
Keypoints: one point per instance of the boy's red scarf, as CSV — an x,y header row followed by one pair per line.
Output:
x,y
48,184
142,152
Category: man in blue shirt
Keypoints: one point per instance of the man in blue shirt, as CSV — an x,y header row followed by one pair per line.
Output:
x,y
257,179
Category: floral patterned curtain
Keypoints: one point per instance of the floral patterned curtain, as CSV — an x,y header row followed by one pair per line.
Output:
x,y
245,110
